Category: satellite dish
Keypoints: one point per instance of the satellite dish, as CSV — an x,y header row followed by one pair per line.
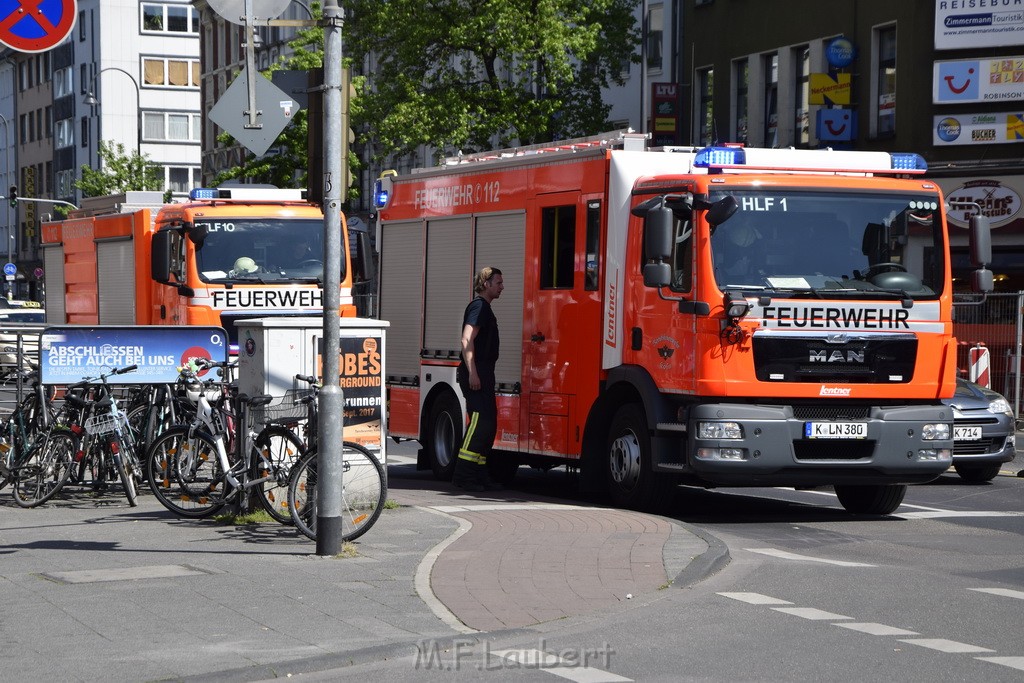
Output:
x,y
234,10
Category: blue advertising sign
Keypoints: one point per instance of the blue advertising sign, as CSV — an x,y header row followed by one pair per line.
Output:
x,y
837,125
840,52
75,354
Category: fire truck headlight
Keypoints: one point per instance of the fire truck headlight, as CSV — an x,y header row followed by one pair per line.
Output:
x,y
936,432
935,455
719,430
721,454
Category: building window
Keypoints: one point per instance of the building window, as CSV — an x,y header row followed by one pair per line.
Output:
x,y
741,80
65,136
886,117
172,73
63,82
802,95
81,26
65,183
159,18
771,100
48,121
85,131
655,31
182,178
171,126
706,110
23,129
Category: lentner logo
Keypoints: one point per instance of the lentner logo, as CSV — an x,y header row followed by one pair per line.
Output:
x,y
834,391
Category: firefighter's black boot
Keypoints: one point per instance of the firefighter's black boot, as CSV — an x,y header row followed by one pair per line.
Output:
x,y
465,476
484,479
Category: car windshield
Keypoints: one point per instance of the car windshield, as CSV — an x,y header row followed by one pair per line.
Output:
x,y
260,250
798,242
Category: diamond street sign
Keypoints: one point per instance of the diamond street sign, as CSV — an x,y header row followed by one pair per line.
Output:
x,y
274,106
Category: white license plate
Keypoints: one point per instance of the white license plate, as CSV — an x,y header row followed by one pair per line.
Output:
x,y
836,430
966,433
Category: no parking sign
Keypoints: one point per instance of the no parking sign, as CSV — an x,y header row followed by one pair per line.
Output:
x,y
36,25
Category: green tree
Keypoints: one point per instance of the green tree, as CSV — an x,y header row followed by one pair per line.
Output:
x,y
118,172
456,73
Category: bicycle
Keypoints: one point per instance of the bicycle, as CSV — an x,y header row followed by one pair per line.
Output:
x,y
34,459
195,470
364,486
106,445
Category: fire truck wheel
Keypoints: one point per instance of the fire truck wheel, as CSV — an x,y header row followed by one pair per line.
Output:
x,y
882,499
631,481
443,435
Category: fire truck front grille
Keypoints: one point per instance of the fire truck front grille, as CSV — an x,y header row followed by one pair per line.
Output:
x,y
831,413
836,358
833,449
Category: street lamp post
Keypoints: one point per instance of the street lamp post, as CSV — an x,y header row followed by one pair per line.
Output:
x,y
92,101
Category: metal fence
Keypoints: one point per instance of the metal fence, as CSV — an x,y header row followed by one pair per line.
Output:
x,y
994,321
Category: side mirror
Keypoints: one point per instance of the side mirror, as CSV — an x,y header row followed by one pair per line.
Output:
x,y
657,274
722,210
363,269
197,233
160,257
658,234
981,241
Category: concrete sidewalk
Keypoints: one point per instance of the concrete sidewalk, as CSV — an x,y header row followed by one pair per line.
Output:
x,y
94,590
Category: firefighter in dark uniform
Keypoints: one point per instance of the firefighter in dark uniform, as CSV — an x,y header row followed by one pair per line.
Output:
x,y
476,379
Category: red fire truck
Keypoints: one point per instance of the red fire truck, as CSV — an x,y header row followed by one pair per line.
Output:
x,y
724,316
224,255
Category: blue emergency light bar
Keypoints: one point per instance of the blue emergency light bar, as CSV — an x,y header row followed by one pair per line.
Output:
x,y
716,159
380,195
203,193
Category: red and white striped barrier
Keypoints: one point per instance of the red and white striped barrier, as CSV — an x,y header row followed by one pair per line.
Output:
x,y
980,367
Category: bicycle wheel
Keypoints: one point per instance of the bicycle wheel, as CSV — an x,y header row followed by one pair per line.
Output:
x,y
123,455
363,492
46,471
185,474
275,452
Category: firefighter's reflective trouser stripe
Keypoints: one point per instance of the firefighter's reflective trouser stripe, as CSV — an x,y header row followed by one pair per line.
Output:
x,y
483,425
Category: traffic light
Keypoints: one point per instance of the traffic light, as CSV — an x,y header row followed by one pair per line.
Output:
x,y
12,196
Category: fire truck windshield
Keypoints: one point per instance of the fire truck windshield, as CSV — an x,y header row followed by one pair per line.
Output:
x,y
828,242
260,250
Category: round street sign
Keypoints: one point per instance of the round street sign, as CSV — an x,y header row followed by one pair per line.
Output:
x,y
234,10
36,25
10,269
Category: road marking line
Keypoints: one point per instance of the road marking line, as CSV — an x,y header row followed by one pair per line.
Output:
x,y
943,645
1005,592
492,507
941,514
810,613
877,629
782,554
553,664
755,598
1012,662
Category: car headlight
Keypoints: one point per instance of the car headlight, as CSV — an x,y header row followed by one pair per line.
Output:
x,y
1000,405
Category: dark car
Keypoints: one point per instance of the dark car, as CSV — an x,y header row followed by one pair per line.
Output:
x,y
983,431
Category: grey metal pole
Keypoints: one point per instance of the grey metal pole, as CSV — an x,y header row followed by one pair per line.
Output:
x,y
7,177
329,460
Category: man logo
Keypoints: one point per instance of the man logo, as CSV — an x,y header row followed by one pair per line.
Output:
x,y
836,356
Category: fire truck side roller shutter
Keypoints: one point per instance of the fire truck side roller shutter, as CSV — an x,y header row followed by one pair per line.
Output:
x,y
449,284
53,269
501,242
115,261
401,275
